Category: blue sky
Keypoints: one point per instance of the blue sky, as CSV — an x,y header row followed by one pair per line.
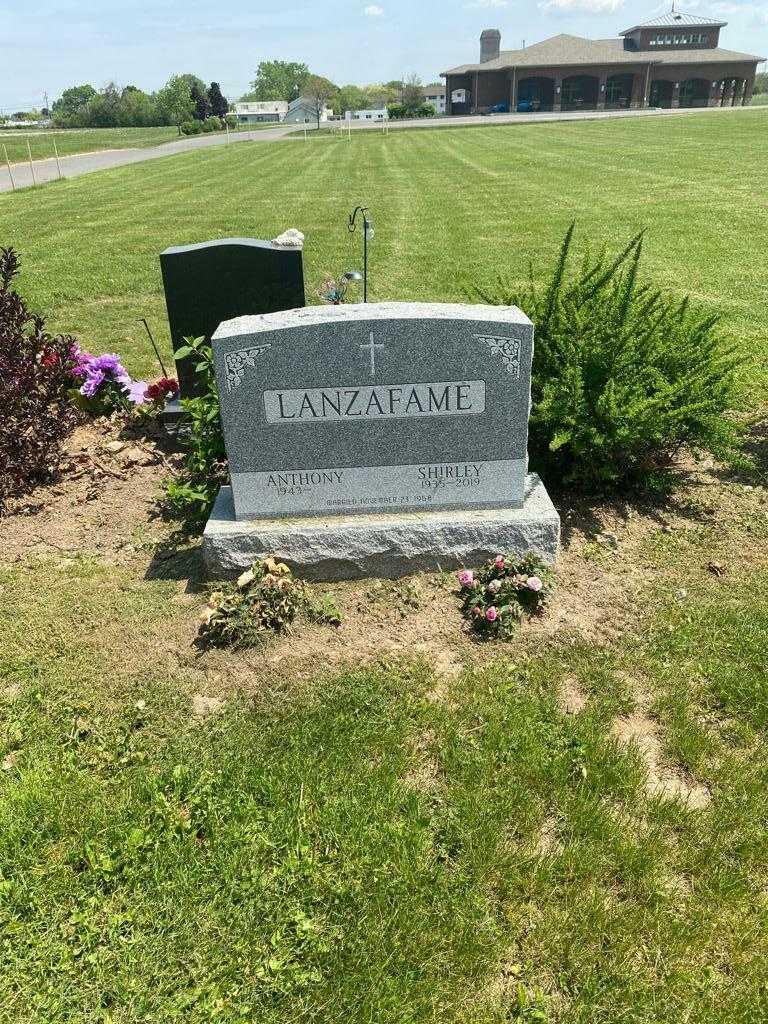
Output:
x,y
57,43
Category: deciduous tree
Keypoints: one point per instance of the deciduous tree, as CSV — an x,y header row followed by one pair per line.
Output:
x,y
174,100
413,94
320,92
71,103
279,80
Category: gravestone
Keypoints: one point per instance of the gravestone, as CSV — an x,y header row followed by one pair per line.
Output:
x,y
211,282
377,439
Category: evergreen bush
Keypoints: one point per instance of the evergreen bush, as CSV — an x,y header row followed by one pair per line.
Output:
x,y
623,376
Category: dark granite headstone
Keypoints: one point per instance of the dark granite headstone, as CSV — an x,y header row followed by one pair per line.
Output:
x,y
208,283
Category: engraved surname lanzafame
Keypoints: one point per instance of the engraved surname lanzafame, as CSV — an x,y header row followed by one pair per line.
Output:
x,y
380,401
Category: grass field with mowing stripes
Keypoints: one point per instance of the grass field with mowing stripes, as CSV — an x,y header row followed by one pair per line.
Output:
x,y
450,206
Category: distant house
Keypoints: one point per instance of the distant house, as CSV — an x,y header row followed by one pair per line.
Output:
x,y
674,60
303,110
257,113
434,95
41,123
374,114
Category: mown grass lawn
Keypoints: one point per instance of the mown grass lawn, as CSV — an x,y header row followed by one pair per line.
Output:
x,y
448,206
78,140
351,849
383,843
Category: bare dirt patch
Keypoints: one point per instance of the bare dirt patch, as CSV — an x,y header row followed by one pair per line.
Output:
x,y
102,501
424,776
548,843
203,707
613,555
663,780
571,698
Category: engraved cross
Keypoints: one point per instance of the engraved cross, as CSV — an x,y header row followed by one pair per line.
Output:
x,y
371,348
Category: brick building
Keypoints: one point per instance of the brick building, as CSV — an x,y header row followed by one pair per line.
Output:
x,y
671,61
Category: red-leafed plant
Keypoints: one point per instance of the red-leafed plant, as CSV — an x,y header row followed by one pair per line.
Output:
x,y
36,412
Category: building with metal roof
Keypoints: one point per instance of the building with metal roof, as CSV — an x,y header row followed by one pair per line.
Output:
x,y
671,61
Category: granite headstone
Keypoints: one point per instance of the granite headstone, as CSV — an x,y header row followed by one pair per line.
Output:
x,y
377,440
383,407
211,282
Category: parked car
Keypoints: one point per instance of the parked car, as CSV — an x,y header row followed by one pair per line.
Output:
x,y
524,106
500,108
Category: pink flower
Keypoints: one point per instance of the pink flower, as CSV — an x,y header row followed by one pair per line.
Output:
x,y
491,614
477,610
466,578
534,583
499,561
137,392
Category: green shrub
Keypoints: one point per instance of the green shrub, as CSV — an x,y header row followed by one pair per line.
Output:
x,y
191,127
398,111
623,375
191,495
211,124
231,120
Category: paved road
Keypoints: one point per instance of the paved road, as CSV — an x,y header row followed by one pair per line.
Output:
x,y
573,115
84,163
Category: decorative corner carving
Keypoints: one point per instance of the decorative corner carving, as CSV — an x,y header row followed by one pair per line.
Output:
x,y
237,363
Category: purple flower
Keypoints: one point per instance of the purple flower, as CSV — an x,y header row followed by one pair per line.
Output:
x,y
466,578
534,583
82,361
109,363
491,614
92,384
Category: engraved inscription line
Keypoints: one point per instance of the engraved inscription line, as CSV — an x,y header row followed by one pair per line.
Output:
x,y
375,401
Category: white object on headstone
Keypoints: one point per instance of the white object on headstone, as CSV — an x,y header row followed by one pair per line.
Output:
x,y
290,239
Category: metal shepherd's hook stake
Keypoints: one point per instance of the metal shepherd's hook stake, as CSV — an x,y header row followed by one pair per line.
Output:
x,y
367,234
154,346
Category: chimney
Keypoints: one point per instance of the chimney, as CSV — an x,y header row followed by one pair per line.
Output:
x,y
490,44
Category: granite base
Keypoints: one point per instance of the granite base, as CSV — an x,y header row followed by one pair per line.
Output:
x,y
383,545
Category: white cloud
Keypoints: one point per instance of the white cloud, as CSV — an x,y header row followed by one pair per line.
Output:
x,y
373,11
584,6
756,12
486,4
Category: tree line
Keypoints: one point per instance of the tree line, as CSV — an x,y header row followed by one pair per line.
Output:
x,y
183,98
286,80
186,99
